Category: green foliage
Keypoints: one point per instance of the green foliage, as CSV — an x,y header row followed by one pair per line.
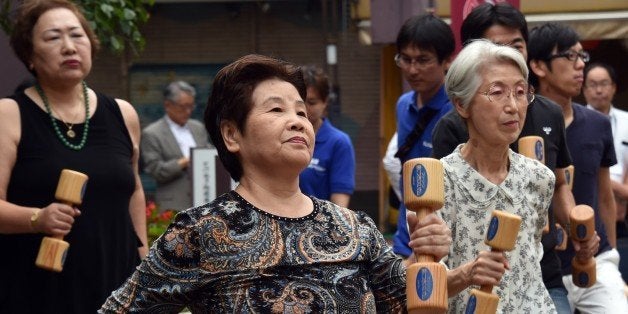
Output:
x,y
116,22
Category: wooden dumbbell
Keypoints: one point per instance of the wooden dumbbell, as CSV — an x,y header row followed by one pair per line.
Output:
x,y
501,236
423,190
569,173
561,234
582,220
52,250
533,147
561,238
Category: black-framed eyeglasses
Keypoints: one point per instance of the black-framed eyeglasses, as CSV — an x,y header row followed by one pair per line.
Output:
x,y
572,55
500,93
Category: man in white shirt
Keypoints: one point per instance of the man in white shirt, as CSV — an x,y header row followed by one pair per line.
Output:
x,y
166,144
600,85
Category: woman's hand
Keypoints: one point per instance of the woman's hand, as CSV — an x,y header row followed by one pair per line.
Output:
x,y
430,236
487,269
56,219
588,249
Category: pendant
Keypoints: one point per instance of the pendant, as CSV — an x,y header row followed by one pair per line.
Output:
x,y
70,133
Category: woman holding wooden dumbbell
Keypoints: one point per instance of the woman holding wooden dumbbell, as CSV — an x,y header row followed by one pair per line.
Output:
x,y
61,123
488,86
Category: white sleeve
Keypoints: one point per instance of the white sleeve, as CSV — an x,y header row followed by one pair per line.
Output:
x,y
392,165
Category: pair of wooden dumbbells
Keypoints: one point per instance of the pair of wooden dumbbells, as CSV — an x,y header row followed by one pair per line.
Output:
x,y
581,218
534,147
53,250
426,287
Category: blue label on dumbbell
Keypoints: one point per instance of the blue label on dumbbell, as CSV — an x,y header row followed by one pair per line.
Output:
x,y
492,228
424,283
419,180
559,236
83,189
583,279
538,150
567,176
65,253
471,305
581,231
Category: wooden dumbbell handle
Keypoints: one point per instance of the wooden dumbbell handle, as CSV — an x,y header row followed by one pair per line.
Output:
x,y
488,288
424,258
52,250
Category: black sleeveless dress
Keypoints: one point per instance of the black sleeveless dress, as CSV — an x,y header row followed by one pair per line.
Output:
x,y
103,243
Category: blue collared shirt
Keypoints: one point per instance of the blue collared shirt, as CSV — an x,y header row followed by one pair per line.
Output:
x,y
408,114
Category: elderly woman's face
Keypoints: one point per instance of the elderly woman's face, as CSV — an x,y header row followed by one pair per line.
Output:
x,y
497,112
61,49
278,134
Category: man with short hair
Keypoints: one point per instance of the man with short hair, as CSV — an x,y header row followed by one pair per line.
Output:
x,y
557,60
166,144
504,24
600,85
425,45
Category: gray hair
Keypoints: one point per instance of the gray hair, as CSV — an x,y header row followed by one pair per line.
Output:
x,y
174,89
463,78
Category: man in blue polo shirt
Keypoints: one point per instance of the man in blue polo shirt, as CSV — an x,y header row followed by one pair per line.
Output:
x,y
425,45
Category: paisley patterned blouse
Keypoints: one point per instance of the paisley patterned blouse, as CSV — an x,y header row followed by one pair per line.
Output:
x,y
469,200
231,257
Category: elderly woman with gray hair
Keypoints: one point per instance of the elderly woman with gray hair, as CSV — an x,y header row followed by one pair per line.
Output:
x,y
488,86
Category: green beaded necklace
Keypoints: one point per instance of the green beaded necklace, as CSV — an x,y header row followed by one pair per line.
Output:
x,y
54,123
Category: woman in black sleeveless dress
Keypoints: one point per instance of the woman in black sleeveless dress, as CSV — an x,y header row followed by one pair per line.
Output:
x,y
62,124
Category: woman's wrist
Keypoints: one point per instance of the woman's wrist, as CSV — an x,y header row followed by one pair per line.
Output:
x,y
34,220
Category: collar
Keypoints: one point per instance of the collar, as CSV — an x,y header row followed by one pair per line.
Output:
x,y
612,112
323,133
477,189
175,125
437,102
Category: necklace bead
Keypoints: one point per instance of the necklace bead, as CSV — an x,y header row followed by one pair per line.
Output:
x,y
70,132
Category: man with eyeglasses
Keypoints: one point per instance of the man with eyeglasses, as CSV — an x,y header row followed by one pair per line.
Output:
x,y
557,60
504,24
425,45
600,85
165,147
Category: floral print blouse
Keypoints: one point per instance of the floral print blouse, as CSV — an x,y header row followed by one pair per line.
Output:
x,y
469,200
231,257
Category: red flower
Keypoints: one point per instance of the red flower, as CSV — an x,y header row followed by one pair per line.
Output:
x,y
157,222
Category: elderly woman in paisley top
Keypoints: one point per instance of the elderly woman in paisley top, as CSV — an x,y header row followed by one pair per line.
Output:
x,y
266,246
60,123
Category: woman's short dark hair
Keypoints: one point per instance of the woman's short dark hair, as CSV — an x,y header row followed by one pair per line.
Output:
x,y
231,98
315,77
27,15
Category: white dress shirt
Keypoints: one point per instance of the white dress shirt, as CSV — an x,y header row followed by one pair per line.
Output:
x,y
619,125
183,135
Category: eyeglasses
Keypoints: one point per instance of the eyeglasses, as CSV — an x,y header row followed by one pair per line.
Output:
x,y
522,93
572,55
594,85
406,62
